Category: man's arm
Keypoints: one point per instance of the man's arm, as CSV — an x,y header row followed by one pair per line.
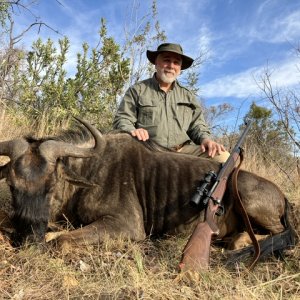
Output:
x,y
198,129
126,116
200,133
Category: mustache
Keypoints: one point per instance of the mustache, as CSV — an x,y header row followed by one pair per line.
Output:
x,y
166,71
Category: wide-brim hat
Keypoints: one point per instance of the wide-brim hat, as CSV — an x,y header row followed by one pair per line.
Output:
x,y
168,47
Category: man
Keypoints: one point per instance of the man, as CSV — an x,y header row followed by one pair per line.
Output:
x,y
163,110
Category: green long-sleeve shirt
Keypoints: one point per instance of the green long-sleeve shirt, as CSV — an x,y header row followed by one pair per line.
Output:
x,y
171,118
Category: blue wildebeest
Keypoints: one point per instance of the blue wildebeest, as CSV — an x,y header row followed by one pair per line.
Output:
x,y
115,185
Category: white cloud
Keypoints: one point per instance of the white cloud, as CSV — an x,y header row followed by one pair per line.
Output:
x,y
244,84
204,39
275,26
288,28
237,85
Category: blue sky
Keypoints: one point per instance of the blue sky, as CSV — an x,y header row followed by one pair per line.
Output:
x,y
242,38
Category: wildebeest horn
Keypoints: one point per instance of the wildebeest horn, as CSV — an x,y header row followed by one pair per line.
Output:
x,y
93,130
51,150
13,148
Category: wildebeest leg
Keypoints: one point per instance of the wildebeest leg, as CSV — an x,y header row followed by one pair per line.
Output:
x,y
96,232
283,236
264,202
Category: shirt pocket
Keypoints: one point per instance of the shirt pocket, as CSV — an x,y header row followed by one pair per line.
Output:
x,y
147,112
185,111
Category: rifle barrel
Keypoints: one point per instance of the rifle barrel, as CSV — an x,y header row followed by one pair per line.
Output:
x,y
236,151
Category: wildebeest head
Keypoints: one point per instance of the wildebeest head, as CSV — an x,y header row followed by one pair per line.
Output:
x,y
31,175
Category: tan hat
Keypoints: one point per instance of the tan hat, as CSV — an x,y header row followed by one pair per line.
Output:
x,y
168,47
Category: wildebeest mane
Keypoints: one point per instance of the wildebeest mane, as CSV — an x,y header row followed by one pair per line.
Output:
x,y
81,135
74,135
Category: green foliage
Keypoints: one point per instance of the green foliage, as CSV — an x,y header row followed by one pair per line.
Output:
x,y
268,135
4,12
43,81
44,91
92,93
99,80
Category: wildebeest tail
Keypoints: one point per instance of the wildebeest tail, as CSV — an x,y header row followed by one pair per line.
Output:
x,y
272,245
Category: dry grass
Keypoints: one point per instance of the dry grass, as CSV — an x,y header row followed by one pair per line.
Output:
x,y
125,270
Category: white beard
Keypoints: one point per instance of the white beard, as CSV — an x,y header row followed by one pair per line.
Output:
x,y
165,78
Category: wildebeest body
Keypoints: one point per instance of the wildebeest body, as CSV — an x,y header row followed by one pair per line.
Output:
x,y
148,191
136,191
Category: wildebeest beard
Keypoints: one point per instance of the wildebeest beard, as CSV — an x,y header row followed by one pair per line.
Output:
x,y
30,203
30,217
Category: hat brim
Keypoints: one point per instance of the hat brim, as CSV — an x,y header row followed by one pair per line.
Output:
x,y
186,60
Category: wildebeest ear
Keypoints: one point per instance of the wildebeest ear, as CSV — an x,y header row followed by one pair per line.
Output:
x,y
74,178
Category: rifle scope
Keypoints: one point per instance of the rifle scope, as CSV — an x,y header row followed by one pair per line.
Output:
x,y
202,190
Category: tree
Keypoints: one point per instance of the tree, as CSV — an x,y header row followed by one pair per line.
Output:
x,y
11,56
4,12
268,136
42,83
100,79
141,33
45,91
286,105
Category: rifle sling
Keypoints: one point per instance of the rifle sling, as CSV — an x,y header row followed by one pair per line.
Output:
x,y
244,213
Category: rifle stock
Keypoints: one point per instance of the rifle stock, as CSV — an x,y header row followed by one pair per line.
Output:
x,y
197,250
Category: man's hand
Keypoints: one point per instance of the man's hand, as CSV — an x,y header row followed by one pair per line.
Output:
x,y
141,134
212,148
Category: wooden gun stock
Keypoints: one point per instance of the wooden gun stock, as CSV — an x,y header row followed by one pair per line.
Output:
x,y
197,250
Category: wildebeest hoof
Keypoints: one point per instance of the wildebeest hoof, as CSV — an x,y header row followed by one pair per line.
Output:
x,y
50,236
58,239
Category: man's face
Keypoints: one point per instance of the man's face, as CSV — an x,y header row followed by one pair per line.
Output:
x,y
168,66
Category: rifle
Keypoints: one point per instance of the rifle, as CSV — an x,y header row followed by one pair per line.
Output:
x,y
197,250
